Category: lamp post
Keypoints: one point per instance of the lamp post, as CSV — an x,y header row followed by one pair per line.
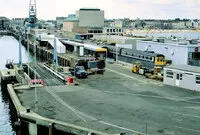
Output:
x,y
36,96
116,53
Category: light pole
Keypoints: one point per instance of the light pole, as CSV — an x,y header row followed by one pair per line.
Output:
x,y
116,53
36,98
28,50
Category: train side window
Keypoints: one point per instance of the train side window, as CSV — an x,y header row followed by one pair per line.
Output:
x,y
152,59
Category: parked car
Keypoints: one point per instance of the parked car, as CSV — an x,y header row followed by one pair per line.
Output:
x,y
79,72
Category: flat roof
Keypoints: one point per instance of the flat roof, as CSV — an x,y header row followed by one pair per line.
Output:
x,y
180,42
90,9
187,68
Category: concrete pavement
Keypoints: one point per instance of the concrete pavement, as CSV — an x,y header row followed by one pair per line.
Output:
x,y
120,102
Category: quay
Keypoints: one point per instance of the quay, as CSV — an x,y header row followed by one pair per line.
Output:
x,y
116,102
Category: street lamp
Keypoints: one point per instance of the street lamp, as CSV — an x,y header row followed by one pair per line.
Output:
x,y
36,96
116,52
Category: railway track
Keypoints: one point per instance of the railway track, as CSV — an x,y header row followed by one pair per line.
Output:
x,y
47,77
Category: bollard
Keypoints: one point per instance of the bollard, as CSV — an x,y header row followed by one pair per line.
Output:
x,y
28,110
51,126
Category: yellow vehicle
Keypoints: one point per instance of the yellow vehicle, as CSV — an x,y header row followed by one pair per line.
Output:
x,y
136,67
155,73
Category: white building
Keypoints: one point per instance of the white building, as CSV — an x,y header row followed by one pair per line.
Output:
x,y
183,76
179,52
112,31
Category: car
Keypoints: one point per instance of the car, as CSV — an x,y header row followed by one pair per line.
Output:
x,y
79,72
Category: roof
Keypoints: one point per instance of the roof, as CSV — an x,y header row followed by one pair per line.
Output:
x,y
90,9
72,18
187,68
180,42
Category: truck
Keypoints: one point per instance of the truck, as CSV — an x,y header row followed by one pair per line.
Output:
x,y
79,72
155,73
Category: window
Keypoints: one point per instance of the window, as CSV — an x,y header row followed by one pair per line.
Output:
x,y
119,30
113,30
179,76
169,74
107,30
198,79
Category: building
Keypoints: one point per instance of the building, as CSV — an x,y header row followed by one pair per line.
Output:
x,y
59,22
178,51
112,31
4,23
184,76
115,39
84,24
17,23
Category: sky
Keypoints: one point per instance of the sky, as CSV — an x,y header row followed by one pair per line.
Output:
x,y
143,9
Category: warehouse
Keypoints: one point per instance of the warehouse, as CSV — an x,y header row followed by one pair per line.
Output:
x,y
183,76
186,52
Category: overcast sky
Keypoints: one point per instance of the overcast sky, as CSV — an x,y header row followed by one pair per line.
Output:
x,y
148,9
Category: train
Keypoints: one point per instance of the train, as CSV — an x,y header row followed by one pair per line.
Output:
x,y
148,59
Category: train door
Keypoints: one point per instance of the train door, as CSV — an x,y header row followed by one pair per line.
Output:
x,y
178,78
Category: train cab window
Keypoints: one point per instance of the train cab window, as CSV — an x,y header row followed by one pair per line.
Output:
x,y
160,59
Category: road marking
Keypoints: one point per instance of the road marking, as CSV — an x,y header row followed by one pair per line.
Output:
x,y
78,113
64,103
109,124
194,116
131,77
193,130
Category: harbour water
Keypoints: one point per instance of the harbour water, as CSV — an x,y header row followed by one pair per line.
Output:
x,y
8,50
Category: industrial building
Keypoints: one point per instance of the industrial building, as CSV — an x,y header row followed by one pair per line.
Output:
x,y
184,76
110,39
186,52
84,24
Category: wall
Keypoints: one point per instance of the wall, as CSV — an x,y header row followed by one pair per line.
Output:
x,y
177,53
91,18
69,26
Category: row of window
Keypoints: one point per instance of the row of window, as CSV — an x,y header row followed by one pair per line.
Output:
x,y
95,31
140,56
113,30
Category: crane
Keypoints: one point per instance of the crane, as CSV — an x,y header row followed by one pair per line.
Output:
x,y
32,19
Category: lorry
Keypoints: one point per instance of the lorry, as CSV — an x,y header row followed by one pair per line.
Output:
x,y
155,73
79,72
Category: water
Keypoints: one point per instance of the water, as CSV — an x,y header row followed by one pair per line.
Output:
x,y
8,50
